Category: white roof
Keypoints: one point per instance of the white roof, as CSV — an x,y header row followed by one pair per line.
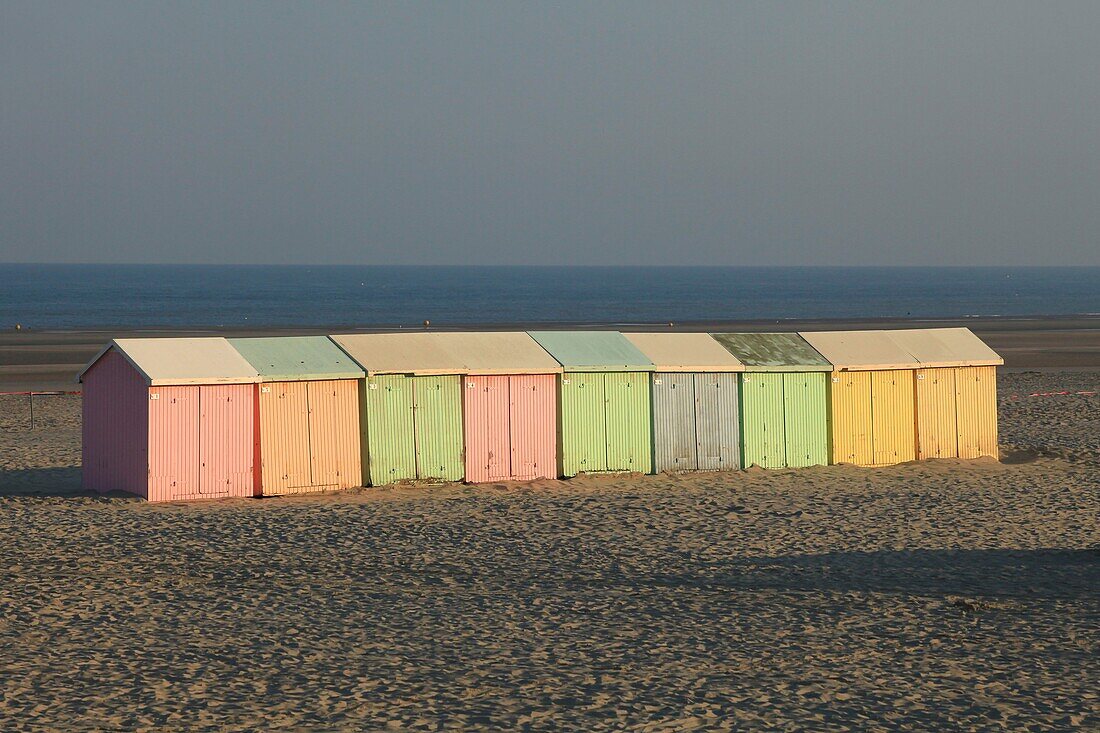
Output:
x,y
944,347
860,350
443,352
167,361
498,352
685,352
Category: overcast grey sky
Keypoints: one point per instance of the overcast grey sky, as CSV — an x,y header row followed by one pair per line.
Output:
x,y
567,133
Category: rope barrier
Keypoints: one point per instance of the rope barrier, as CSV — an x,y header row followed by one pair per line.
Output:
x,y
35,394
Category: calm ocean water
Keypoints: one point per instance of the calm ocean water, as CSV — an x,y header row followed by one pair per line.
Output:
x,y
139,296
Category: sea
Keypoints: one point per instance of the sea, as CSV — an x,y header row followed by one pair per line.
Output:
x,y
68,297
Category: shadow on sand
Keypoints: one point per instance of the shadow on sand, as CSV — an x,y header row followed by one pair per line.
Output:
x,y
1049,574
64,481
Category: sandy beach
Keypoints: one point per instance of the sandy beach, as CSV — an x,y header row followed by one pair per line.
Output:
x,y
648,214
939,595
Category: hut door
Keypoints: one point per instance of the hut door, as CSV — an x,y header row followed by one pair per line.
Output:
x,y
762,420
488,450
850,402
333,456
284,437
893,415
674,416
173,443
716,429
629,421
583,423
532,421
225,440
976,408
805,419
937,432
391,442
437,424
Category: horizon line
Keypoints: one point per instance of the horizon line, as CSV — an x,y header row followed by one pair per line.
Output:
x,y
545,266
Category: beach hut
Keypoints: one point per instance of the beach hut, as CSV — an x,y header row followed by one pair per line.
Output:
x,y
784,419
604,402
695,407
509,404
308,402
410,407
872,397
956,387
169,419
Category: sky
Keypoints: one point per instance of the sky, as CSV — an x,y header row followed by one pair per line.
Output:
x,y
609,133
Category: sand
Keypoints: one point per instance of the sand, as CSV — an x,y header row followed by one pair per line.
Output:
x,y
939,595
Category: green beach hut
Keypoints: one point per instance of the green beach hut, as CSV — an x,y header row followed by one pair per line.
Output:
x,y
604,402
784,415
410,407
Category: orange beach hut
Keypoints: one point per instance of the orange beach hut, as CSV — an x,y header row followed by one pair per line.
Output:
x,y
308,402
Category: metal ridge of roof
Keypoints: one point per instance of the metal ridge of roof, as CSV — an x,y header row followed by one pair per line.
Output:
x,y
296,358
946,347
182,361
593,351
870,350
684,352
773,352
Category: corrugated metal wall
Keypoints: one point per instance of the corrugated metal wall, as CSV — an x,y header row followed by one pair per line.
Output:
x,y
364,443
510,427
413,428
284,438
872,415
893,412
115,428
583,428
805,415
334,434
438,426
388,422
225,440
937,429
675,443
497,449
533,420
976,405
850,416
629,422
173,443
695,422
488,442
784,419
717,421
763,436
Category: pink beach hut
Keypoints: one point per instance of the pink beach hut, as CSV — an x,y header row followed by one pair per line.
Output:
x,y
170,419
509,404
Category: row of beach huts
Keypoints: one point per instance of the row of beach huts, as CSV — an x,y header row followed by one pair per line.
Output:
x,y
173,419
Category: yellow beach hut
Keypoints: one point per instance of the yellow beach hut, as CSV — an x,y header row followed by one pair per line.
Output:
x,y
956,389
872,399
